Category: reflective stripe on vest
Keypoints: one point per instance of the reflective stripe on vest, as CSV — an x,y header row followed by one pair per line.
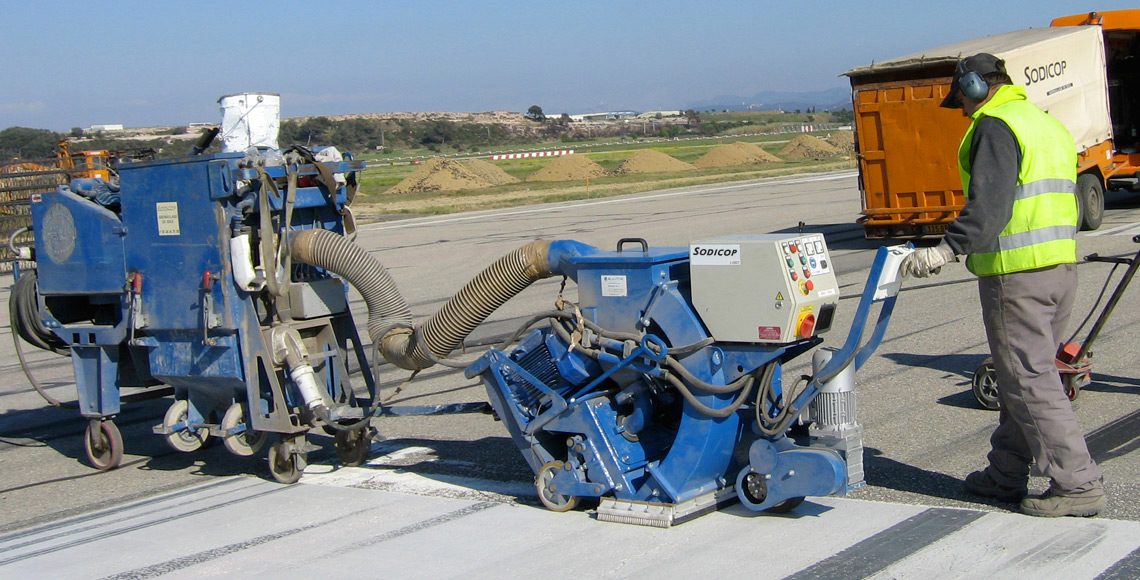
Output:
x,y
1042,228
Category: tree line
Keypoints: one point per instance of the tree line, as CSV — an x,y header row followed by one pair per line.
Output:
x,y
361,135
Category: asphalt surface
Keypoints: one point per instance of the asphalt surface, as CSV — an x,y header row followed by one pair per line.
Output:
x,y
923,431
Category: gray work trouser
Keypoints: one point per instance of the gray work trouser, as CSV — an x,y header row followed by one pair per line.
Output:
x,y
1025,314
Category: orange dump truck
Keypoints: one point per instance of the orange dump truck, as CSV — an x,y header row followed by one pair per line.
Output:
x,y
1084,70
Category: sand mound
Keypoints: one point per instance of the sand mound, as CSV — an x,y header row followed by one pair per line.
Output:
x,y
738,153
489,171
568,168
842,140
808,147
441,175
651,161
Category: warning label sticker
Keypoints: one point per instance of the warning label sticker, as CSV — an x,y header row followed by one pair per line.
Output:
x,y
167,218
769,333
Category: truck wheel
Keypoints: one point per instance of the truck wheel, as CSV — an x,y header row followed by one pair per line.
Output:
x,y
1090,201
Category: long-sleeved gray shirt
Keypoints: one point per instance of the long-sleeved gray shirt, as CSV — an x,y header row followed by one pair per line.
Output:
x,y
995,161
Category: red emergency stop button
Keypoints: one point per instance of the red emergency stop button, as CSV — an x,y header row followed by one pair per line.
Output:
x,y
809,285
807,325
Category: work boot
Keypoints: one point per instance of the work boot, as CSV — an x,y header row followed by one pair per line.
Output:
x,y
1055,504
980,483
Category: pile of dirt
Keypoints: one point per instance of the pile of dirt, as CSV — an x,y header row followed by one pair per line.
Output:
x,y
489,171
739,153
651,161
808,147
441,175
842,140
568,168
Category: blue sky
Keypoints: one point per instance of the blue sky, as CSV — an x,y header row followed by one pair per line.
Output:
x,y
163,63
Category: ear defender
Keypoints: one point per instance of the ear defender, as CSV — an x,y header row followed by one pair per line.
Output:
x,y
972,84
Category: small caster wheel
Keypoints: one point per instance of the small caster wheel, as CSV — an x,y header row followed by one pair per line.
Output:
x,y
285,465
985,387
181,437
246,442
352,447
104,445
548,494
1072,384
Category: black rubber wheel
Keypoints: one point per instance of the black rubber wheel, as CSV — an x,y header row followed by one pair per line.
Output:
x,y
1090,201
285,466
785,506
352,447
104,445
985,387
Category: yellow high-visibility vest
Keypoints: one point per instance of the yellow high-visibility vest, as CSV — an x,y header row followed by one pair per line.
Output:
x,y
1042,231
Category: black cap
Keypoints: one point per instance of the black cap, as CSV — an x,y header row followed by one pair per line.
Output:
x,y
982,63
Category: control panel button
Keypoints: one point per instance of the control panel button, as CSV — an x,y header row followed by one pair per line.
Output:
x,y
809,285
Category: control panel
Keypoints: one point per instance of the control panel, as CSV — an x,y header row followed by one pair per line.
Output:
x,y
767,288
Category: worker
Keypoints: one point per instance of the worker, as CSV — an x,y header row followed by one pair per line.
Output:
x,y
1018,231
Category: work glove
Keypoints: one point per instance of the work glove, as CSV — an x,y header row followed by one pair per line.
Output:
x,y
926,261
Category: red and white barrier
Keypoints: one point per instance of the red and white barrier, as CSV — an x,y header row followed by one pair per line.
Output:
x,y
531,154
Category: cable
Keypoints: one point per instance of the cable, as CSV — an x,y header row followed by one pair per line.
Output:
x,y
24,322
772,425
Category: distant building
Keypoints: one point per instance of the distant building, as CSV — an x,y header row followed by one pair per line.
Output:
x,y
655,114
98,128
610,115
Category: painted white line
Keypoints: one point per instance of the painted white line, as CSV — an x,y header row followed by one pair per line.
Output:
x,y
1124,230
384,472
623,199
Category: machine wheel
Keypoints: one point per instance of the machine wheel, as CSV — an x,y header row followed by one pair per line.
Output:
x,y
752,487
286,467
550,497
184,440
1072,384
104,445
785,506
1090,201
352,447
245,443
985,387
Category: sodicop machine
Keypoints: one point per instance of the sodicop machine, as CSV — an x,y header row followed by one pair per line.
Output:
x,y
659,390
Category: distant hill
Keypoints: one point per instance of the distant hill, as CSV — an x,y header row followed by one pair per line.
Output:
x,y
826,100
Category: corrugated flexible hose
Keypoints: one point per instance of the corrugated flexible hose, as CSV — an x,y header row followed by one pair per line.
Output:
x,y
389,318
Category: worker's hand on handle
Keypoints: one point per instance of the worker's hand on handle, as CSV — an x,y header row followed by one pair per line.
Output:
x,y
926,261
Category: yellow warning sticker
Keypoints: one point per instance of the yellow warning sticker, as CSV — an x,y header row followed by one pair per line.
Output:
x,y
779,296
